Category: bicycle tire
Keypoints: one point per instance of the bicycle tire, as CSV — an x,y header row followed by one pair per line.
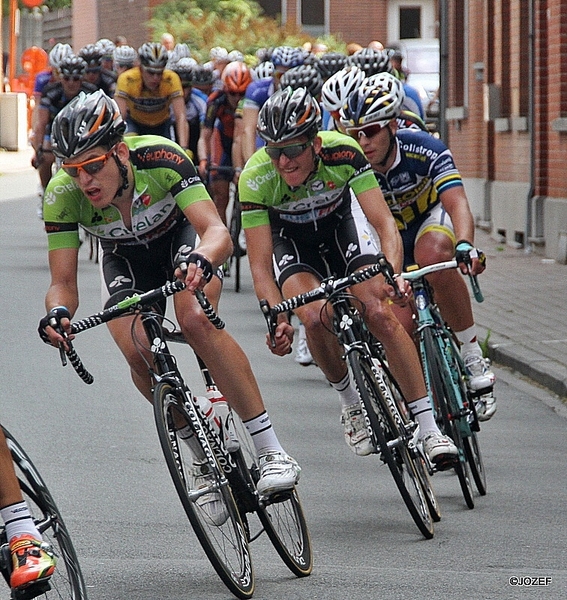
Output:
x,y
474,456
67,581
419,462
226,543
283,519
234,229
438,372
391,442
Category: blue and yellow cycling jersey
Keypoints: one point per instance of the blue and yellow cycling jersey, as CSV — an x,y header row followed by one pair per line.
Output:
x,y
423,169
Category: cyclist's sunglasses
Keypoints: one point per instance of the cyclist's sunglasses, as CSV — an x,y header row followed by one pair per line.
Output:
x,y
152,71
72,77
90,167
291,151
368,131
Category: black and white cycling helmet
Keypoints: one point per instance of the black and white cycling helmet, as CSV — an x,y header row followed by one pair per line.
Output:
x,y
89,120
374,103
264,69
340,86
72,65
92,55
330,63
289,114
286,56
306,76
202,75
153,55
218,53
106,47
124,56
58,53
371,61
185,67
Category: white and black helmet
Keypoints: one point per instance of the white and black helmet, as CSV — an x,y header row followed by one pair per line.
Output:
x,y
289,114
124,56
371,61
106,47
306,76
340,86
330,63
72,65
379,101
89,120
58,53
264,69
153,55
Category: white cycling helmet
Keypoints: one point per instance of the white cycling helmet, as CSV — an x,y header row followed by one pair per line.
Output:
x,y
340,86
264,69
218,53
124,56
375,102
58,53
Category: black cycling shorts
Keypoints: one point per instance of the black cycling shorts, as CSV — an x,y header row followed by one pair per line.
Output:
x,y
336,245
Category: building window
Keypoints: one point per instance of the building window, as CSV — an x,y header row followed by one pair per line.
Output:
x,y
410,22
313,16
272,8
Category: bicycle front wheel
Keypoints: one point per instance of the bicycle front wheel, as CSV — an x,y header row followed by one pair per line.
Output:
x,y
474,457
447,406
281,516
67,580
209,504
392,440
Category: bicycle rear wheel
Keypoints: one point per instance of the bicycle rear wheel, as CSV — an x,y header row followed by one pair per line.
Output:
x,y
392,440
447,406
222,535
235,227
474,457
282,516
67,581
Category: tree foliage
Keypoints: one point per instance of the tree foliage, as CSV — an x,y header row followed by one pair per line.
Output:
x,y
233,24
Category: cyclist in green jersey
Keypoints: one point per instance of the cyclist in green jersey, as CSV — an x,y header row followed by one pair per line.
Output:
x,y
144,200
306,197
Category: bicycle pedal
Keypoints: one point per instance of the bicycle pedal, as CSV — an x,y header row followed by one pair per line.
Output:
x,y
33,590
446,463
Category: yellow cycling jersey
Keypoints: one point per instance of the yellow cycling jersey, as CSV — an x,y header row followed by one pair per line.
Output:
x,y
145,106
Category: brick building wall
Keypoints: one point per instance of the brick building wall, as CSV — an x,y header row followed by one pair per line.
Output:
x,y
359,22
129,21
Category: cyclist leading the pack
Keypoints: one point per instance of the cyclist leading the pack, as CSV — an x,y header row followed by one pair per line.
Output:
x,y
425,193
306,197
142,197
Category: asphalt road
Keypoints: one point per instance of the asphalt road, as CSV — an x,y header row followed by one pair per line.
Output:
x,y
97,449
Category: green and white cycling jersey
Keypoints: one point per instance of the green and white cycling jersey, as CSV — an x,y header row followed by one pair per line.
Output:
x,y
165,181
341,167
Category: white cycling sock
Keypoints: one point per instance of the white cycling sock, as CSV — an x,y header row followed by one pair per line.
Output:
x,y
469,341
422,412
347,391
19,521
263,434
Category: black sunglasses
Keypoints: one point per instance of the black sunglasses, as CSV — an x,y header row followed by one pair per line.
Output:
x,y
72,77
291,151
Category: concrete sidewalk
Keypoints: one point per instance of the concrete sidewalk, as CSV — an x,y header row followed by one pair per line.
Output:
x,y
524,314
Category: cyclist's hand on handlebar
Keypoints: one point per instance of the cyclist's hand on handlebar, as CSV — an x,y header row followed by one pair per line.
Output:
x,y
283,339
402,294
471,260
55,327
194,269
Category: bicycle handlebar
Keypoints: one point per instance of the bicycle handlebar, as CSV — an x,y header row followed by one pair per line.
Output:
x,y
130,305
326,289
449,264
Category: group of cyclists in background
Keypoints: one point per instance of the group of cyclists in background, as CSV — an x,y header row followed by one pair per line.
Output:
x,y
333,162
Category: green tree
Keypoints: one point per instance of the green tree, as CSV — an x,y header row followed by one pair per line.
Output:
x,y
233,24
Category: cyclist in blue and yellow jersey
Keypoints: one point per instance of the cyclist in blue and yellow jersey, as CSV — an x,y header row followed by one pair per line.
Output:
x,y
143,199
307,197
146,92
33,560
426,196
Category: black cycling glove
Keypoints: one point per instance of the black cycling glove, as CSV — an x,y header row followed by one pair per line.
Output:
x,y
53,319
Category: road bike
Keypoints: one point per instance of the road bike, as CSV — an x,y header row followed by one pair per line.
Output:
x,y
393,434
446,378
192,447
233,215
67,580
